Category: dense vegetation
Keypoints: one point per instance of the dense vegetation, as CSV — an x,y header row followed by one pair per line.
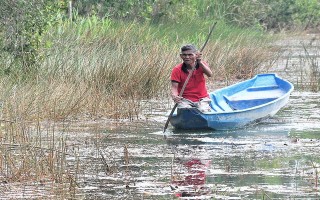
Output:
x,y
267,14
95,56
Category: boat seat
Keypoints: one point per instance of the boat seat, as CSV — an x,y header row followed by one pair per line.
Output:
x,y
247,103
219,104
261,88
253,96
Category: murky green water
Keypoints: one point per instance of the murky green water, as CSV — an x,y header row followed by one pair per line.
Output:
x,y
275,159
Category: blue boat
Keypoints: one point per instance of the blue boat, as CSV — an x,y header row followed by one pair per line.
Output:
x,y
238,105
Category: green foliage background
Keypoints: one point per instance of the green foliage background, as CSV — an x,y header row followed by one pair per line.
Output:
x,y
270,14
23,23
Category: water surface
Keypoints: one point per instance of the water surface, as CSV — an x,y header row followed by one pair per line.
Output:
x,y
275,159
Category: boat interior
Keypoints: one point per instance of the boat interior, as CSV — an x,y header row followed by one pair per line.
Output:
x,y
250,94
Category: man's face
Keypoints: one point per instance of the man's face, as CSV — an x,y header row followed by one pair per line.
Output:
x,y
188,57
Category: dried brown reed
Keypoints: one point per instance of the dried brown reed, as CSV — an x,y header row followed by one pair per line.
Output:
x,y
240,59
310,71
30,155
301,58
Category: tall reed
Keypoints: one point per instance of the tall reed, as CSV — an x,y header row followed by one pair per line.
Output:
x,y
102,68
36,157
310,71
127,62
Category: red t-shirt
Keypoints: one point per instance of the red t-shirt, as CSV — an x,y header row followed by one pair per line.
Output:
x,y
196,87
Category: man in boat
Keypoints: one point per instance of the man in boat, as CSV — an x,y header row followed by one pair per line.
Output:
x,y
195,93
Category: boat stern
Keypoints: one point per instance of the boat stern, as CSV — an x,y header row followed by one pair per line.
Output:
x,y
189,118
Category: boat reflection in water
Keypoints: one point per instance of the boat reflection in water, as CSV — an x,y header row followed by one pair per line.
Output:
x,y
190,180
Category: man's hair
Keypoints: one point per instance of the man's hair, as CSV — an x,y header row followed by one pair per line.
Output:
x,y
188,47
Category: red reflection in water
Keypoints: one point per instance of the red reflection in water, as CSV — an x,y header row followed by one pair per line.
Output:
x,y
195,177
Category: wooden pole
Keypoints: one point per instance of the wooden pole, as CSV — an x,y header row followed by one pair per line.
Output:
x,y
70,10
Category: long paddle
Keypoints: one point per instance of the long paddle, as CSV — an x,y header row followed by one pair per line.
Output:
x,y
187,80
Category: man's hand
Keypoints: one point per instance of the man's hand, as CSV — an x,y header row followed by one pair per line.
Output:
x,y
198,56
176,98
174,92
204,65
